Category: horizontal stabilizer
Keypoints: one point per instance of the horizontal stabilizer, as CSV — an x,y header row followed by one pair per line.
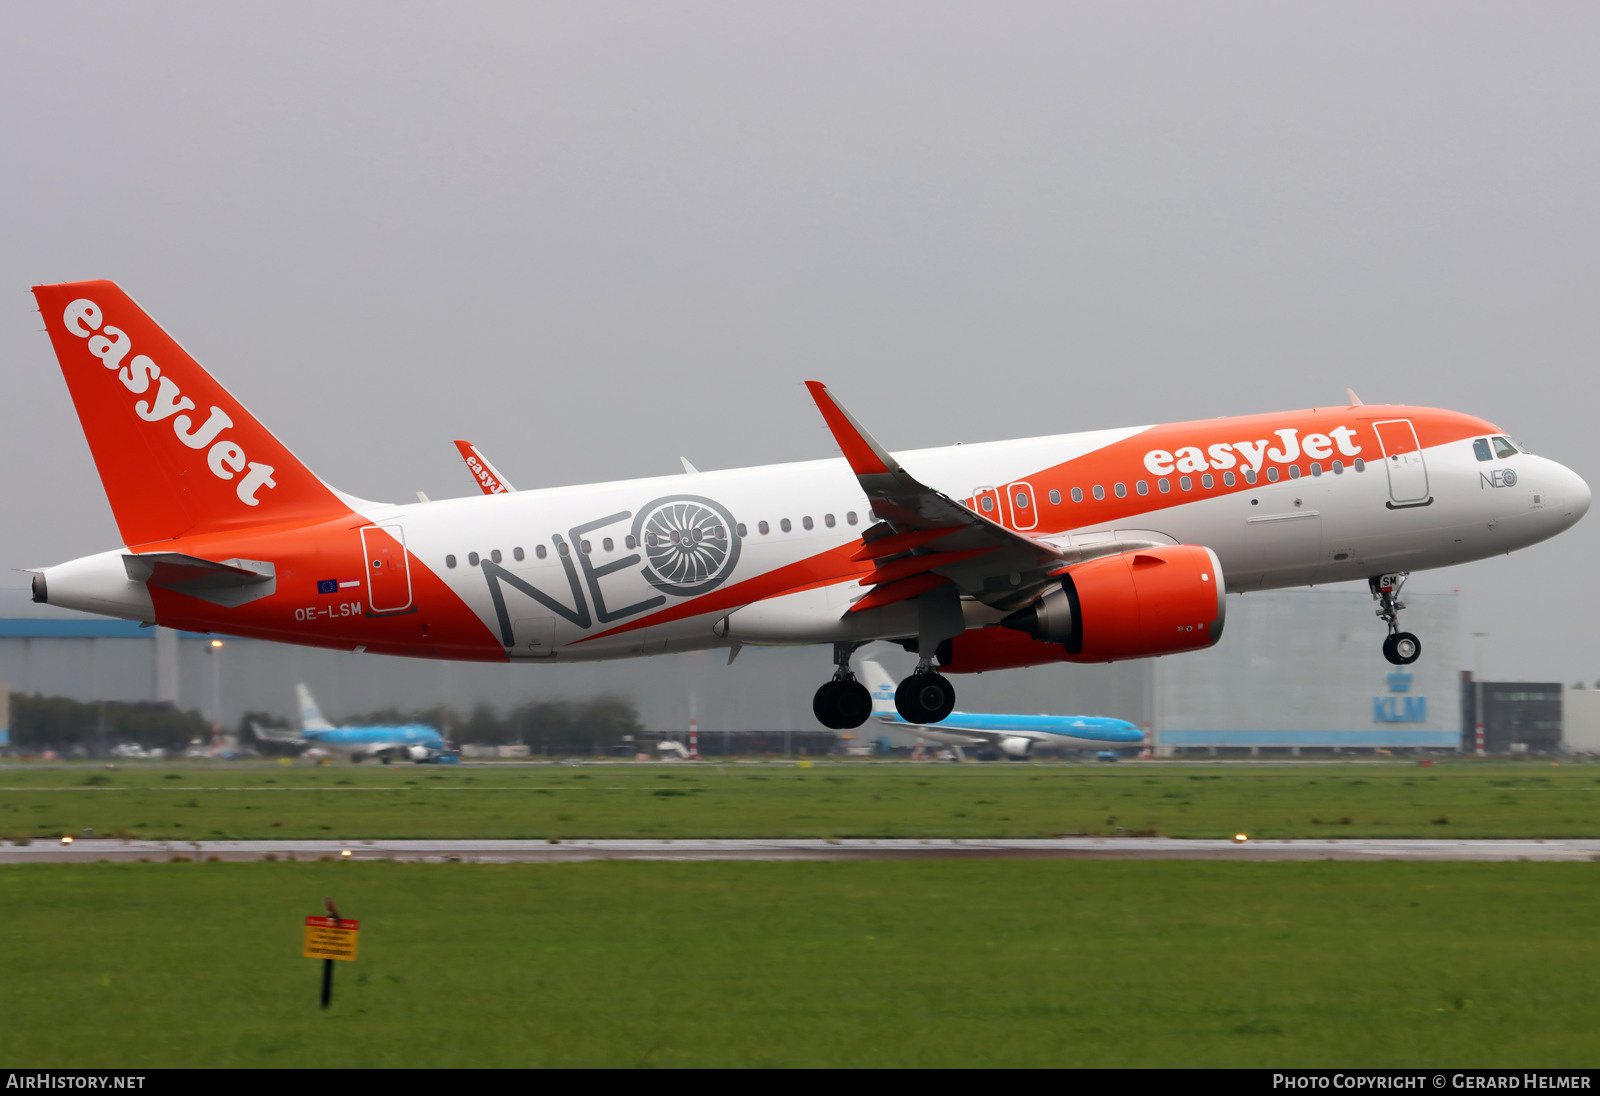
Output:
x,y
229,582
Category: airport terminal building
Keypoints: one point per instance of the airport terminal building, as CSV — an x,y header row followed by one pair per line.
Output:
x,y
1296,670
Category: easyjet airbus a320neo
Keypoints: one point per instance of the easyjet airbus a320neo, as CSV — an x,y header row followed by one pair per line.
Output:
x,y
1084,547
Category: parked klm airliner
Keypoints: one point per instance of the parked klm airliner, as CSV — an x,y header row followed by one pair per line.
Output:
x,y
408,741
1087,547
1013,735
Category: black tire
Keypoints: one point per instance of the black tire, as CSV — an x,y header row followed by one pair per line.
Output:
x,y
924,698
852,704
824,705
1402,648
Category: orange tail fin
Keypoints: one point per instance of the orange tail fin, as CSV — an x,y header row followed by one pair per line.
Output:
x,y
177,454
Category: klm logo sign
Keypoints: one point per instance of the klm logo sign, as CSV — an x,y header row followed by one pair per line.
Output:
x,y
1397,708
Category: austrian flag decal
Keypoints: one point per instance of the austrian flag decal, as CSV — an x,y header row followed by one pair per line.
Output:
x,y
334,585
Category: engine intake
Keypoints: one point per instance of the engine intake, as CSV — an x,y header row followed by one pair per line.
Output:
x,y
1016,747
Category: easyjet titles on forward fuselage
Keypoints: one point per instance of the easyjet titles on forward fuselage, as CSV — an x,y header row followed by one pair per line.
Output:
x,y
1159,462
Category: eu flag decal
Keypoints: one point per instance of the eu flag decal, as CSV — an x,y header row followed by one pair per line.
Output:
x,y
328,586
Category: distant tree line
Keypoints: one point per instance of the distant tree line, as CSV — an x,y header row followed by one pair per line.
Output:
x,y
92,727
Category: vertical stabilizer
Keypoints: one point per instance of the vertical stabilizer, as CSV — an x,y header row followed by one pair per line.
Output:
x,y
310,716
881,686
176,452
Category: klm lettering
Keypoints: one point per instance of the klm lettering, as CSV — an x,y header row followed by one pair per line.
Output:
x,y
1399,709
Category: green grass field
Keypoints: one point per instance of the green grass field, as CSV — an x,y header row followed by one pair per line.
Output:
x,y
830,800
887,963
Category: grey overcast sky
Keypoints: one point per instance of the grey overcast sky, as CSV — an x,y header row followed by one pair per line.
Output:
x,y
594,236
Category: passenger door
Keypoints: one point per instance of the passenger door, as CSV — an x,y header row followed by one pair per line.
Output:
x,y
1402,456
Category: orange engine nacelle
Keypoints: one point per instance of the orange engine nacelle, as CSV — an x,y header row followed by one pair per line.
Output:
x,y
1156,601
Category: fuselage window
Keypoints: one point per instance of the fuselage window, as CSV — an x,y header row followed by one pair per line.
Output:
x,y
632,542
1163,485
1055,497
1250,475
987,503
763,528
676,536
1480,447
827,519
739,528
608,544
1122,490
785,524
1022,500
1272,475
472,559
1142,487
1227,479
562,550
495,555
1186,483
1099,492
1316,468
585,546
518,555
1077,494
850,517
1294,471
1338,467
1207,482
1359,464
449,561
1503,448
806,522
539,550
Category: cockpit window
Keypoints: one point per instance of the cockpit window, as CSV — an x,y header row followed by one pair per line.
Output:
x,y
1503,447
1480,446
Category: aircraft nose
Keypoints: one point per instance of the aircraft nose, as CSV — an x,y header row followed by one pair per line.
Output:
x,y
1572,495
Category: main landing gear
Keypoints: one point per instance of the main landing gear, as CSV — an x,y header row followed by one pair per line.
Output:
x,y
925,696
843,702
1400,648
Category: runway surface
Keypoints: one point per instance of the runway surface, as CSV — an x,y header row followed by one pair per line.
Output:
x,y
89,850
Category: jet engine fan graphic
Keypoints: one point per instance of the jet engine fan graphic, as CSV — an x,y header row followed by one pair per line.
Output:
x,y
691,543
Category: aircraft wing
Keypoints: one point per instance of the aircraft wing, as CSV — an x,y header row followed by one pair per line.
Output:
x,y
489,479
278,734
994,738
925,538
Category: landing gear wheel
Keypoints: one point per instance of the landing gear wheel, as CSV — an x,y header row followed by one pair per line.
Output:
x,y
852,703
822,704
841,705
924,698
1402,648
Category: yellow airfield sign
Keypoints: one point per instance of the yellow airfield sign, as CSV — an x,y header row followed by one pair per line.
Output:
x,y
331,938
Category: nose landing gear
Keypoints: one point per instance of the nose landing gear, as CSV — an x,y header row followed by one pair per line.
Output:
x,y
1400,648
843,702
